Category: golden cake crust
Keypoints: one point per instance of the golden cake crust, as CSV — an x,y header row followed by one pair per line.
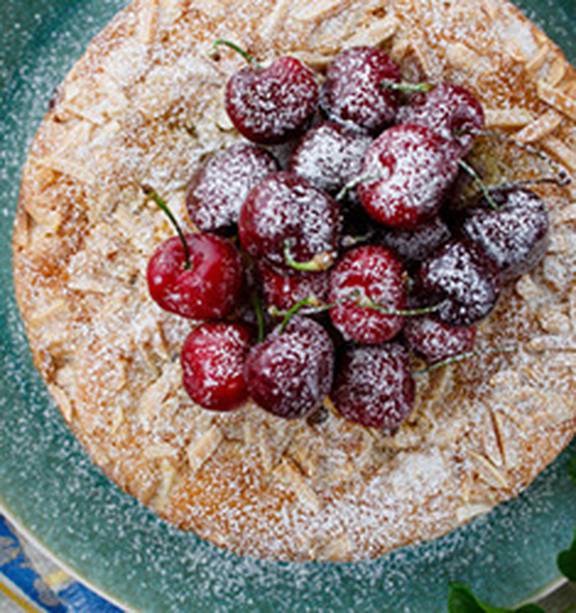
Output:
x,y
144,105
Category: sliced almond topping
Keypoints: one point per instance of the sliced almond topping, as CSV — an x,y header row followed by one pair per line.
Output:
x,y
334,548
273,24
85,113
321,9
508,118
528,289
291,476
557,71
428,61
557,149
53,310
159,451
488,472
148,21
461,56
469,511
557,98
538,59
540,128
66,167
551,343
490,8
168,476
314,60
154,396
63,401
200,451
376,33
572,310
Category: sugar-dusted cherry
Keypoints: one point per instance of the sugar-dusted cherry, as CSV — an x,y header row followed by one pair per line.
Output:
x,y
450,110
367,290
435,341
408,170
220,185
463,280
329,156
202,284
515,235
290,224
273,104
356,91
213,360
291,372
374,386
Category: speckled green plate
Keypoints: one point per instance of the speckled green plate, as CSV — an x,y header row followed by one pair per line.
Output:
x,y
50,488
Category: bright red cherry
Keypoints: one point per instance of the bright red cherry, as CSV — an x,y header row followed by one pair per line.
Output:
x,y
329,156
450,110
208,288
355,93
408,170
436,341
374,387
219,187
291,372
286,221
366,276
213,360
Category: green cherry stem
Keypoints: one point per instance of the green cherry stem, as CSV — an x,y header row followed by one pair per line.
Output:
x,y
153,195
462,358
472,172
221,42
319,263
368,304
259,311
310,301
408,88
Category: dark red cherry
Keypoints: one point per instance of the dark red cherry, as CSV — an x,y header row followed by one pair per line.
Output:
x,y
463,279
408,170
365,275
208,289
329,156
374,386
291,372
219,187
413,246
274,104
516,235
354,93
435,341
213,360
286,211
450,110
283,291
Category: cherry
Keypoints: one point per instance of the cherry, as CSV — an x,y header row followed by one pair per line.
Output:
x,y
291,372
407,170
274,104
355,92
374,386
291,224
219,187
461,275
213,359
369,275
515,235
436,341
329,156
208,288
283,291
416,245
450,110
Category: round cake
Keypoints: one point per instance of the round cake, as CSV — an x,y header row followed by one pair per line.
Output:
x,y
145,106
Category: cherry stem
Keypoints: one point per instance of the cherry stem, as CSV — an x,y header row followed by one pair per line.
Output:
x,y
294,310
153,195
368,304
259,311
227,43
408,88
562,180
472,172
462,358
355,183
319,263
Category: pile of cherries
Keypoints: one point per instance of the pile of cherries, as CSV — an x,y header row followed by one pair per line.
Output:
x,y
355,247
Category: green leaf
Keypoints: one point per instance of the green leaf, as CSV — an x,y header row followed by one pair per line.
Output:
x,y
572,468
567,561
461,600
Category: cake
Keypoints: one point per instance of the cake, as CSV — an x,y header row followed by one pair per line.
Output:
x,y
144,108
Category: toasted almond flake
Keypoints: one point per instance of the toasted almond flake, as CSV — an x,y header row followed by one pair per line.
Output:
x,y
63,401
200,451
515,51
572,310
508,118
160,451
528,289
321,9
462,57
469,511
291,476
376,33
560,151
552,343
314,60
266,455
148,22
428,61
400,46
567,214
557,71
118,419
274,22
168,476
84,112
40,317
540,128
154,396
65,167
488,472
557,98
538,59
334,548
490,8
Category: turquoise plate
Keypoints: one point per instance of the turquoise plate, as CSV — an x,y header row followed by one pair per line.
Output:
x,y
50,488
